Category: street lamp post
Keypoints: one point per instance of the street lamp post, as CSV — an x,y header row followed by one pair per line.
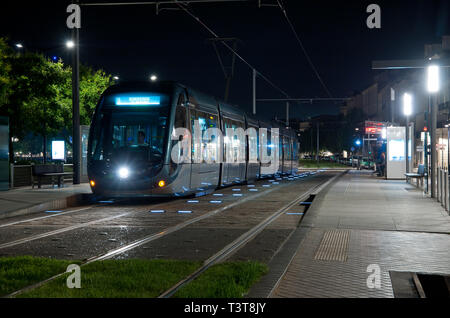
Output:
x,y
433,88
74,44
407,110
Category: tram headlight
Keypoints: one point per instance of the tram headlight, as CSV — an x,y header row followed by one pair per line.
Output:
x,y
123,172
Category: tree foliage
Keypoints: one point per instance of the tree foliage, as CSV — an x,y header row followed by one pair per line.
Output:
x,y
36,93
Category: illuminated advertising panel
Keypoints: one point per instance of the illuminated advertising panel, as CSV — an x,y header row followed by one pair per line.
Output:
x,y
395,156
58,150
396,150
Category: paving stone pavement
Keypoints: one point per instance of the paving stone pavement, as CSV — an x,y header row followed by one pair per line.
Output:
x,y
390,225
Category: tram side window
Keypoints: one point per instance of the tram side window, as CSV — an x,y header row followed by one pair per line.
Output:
x,y
286,148
180,122
253,145
280,147
294,150
229,140
180,113
209,144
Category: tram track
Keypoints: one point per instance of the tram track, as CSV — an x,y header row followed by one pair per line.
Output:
x,y
50,216
131,245
144,240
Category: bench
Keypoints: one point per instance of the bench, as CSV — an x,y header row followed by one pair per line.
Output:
x,y
53,171
419,175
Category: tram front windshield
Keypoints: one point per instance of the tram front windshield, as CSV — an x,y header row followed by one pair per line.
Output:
x,y
130,135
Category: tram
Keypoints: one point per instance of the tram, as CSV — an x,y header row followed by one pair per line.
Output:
x,y
131,144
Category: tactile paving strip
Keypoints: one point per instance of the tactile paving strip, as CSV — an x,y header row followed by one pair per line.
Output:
x,y
334,246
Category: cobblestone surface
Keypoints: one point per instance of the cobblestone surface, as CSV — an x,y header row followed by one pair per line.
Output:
x,y
399,251
391,225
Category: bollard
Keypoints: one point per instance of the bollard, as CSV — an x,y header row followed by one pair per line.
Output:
x,y
438,185
442,188
441,177
446,190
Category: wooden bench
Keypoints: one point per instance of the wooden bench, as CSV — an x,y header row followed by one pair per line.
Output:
x,y
419,175
53,171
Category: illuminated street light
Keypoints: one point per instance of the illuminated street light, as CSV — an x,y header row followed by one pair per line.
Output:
x,y
19,45
70,44
407,104
116,78
153,78
407,110
433,78
433,88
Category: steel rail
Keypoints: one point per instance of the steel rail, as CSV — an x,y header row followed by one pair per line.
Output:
x,y
59,231
51,215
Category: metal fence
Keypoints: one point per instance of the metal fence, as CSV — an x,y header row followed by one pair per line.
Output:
x,y
442,188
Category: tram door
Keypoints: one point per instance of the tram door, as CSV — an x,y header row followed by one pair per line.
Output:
x,y
205,166
183,178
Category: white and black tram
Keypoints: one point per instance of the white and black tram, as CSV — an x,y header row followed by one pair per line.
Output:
x,y
130,142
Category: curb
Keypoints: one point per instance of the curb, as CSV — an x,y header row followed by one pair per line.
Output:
x,y
70,201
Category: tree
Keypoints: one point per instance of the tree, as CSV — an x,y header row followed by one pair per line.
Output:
x,y
5,69
32,105
92,84
36,94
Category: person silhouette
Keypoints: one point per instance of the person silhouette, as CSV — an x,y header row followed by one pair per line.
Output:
x,y
141,139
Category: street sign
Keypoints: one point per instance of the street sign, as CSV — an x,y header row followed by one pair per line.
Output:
x,y
374,127
419,148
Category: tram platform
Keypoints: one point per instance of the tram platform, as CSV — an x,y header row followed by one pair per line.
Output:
x,y
22,201
359,226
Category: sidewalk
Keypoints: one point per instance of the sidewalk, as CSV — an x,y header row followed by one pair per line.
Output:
x,y
26,200
361,220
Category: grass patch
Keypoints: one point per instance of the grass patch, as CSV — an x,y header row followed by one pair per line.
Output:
x,y
19,272
133,278
225,280
308,163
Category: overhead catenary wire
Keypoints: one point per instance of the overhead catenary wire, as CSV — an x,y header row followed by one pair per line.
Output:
x,y
231,49
283,9
182,5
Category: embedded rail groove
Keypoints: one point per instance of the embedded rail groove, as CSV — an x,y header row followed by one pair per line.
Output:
x,y
51,216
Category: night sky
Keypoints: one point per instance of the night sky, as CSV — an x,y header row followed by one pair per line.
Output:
x,y
133,42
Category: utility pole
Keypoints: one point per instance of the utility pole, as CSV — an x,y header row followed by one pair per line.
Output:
x,y
433,100
392,105
228,74
76,142
317,153
407,144
254,92
287,114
